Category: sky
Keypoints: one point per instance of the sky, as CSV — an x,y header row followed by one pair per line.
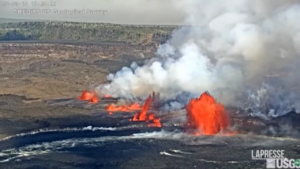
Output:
x,y
160,12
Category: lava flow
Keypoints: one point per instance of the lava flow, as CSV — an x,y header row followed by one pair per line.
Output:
x,y
142,116
107,96
94,99
206,117
88,96
134,107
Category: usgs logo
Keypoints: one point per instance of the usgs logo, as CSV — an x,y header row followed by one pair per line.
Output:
x,y
283,163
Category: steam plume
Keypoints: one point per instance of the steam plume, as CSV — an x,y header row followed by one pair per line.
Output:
x,y
232,49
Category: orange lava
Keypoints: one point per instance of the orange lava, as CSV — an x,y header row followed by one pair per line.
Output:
x,y
88,96
107,96
155,123
206,117
142,116
94,100
130,108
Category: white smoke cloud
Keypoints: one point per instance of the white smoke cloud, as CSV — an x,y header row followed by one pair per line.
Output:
x,y
230,47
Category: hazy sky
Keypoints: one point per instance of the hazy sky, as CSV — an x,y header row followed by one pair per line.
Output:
x,y
113,11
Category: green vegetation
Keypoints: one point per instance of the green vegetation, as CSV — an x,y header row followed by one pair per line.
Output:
x,y
84,32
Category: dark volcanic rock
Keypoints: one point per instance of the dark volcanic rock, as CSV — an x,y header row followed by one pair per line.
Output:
x,y
103,62
74,61
2,103
44,65
287,125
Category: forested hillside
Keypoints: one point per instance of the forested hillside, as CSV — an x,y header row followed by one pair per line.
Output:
x,y
84,32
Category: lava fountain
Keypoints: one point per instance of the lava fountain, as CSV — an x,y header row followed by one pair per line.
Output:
x,y
94,99
88,96
142,116
206,117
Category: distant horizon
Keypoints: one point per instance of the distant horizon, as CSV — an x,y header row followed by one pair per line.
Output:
x,y
11,20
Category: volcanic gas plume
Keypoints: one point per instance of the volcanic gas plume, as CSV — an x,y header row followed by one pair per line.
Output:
x,y
205,116
231,48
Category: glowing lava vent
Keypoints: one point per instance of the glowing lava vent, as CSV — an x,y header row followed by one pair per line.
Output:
x,y
206,117
88,96
143,116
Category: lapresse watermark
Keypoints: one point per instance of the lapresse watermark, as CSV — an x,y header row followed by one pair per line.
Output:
x,y
275,159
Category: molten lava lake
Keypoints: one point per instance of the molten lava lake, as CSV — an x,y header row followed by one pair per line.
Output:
x,y
96,147
125,143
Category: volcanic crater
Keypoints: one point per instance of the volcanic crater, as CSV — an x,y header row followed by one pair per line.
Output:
x,y
52,118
